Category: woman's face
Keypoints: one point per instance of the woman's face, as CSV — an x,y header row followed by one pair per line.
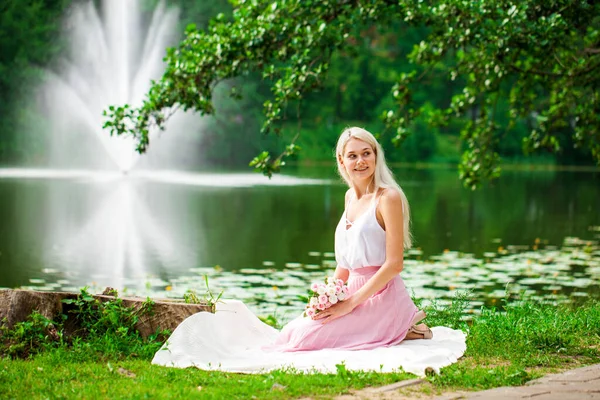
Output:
x,y
359,160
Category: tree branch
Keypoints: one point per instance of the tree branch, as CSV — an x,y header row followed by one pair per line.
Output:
x,y
536,71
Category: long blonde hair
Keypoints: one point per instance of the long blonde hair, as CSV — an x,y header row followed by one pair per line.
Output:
x,y
383,177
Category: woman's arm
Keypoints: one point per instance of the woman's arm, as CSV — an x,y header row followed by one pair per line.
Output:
x,y
341,273
390,207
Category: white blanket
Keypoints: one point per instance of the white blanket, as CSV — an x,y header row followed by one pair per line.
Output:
x,y
231,340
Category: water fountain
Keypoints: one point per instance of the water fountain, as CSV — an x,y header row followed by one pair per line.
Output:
x,y
97,223
113,57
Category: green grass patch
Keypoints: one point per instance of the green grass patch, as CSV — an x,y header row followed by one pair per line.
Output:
x,y
522,341
59,373
506,346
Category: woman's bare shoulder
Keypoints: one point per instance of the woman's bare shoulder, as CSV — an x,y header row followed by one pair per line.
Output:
x,y
391,199
390,207
391,195
347,196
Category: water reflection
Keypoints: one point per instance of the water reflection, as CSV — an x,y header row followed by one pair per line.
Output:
x,y
113,229
114,236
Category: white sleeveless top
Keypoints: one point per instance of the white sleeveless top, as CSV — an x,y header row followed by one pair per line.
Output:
x,y
363,243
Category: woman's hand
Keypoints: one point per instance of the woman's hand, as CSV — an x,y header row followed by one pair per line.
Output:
x,y
336,311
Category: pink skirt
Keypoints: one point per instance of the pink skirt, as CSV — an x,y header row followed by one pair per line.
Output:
x,y
382,320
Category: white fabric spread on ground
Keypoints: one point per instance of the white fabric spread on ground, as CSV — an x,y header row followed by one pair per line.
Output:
x,y
232,338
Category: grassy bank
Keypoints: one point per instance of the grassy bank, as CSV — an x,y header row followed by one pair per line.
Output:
x,y
522,341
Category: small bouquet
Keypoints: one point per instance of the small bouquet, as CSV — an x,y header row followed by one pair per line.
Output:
x,y
323,295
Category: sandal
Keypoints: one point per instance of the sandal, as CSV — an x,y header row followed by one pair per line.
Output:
x,y
419,316
420,331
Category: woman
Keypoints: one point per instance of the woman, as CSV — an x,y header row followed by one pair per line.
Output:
x,y
369,247
369,244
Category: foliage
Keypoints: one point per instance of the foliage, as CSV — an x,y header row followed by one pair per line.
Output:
x,y
107,329
542,56
110,326
191,297
451,315
29,38
30,337
271,320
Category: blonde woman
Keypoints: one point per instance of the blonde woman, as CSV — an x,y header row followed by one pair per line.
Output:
x,y
378,314
369,246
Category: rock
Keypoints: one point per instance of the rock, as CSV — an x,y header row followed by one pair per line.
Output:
x,y
125,372
16,305
278,387
110,292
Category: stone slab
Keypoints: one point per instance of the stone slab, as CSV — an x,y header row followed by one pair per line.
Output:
x,y
452,396
396,386
519,392
576,384
585,374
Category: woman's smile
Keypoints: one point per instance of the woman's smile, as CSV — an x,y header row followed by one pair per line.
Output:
x,y
359,159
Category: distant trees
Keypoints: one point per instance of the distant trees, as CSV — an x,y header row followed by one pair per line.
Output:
x,y
28,39
532,62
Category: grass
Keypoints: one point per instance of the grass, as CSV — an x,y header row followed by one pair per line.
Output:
x,y
507,346
524,342
62,376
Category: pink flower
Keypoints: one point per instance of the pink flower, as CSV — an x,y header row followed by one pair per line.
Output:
x,y
322,299
326,294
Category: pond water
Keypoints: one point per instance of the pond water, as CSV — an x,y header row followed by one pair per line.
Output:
x,y
264,241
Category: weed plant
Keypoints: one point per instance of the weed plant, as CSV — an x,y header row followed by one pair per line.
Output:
x,y
106,330
209,298
29,337
451,315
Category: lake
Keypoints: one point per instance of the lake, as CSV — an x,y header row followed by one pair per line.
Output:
x,y
533,232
